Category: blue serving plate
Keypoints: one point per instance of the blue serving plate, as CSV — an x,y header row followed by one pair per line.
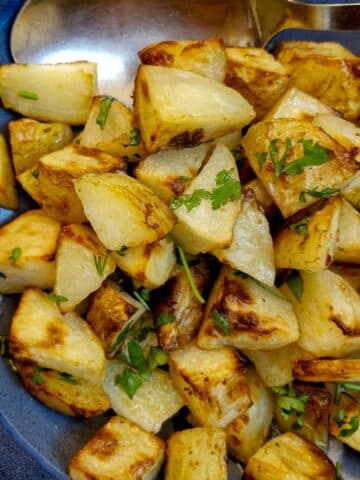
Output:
x,y
47,440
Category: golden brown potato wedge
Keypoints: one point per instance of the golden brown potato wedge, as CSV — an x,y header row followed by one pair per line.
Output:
x,y
175,108
251,250
111,128
351,274
348,236
312,424
285,153
247,433
263,198
244,313
8,193
214,383
30,140
297,105
275,366
111,314
63,393
343,421
205,228
288,457
150,265
326,70
65,343
256,74
119,451
197,453
27,250
308,240
82,264
328,314
154,402
122,211
176,299
56,93
204,57
352,191
322,370
169,172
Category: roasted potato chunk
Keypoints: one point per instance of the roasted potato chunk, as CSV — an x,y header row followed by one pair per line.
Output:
x,y
256,74
27,249
352,191
62,392
328,313
312,424
176,298
289,457
150,265
114,131
122,211
350,273
82,264
175,108
308,240
322,370
343,421
251,250
285,154
169,172
154,402
50,180
204,228
325,70
263,198
55,93
247,433
65,343
112,312
30,140
348,235
119,451
245,314
214,384
8,193
297,105
197,453
275,366
204,57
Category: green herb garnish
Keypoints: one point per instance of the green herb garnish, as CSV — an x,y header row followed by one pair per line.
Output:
x,y
341,388
28,95
184,178
350,425
291,403
100,264
326,192
261,158
135,137
221,322
56,298
130,381
189,277
143,297
2,345
301,227
104,108
15,255
296,285
65,377
136,356
164,319
156,358
37,378
35,173
314,154
190,200
339,475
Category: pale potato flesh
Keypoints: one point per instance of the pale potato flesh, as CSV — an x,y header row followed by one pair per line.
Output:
x,y
348,236
352,410
8,192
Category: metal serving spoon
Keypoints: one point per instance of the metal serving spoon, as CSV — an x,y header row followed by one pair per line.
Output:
x,y
110,32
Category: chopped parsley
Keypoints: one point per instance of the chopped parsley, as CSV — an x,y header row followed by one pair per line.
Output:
x,y
190,200
221,322
301,227
341,388
65,377
261,158
339,475
56,298
130,381
143,297
347,425
292,404
189,277
296,285
15,255
136,356
164,319
156,358
326,192
35,174
104,108
37,378
28,95
100,264
184,178
135,137
2,345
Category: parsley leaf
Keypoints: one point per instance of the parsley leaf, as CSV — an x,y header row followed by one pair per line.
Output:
x,y
100,264
15,255
143,296
37,378
35,173
135,137
189,277
164,318
261,158
156,358
56,298
274,155
104,108
65,377
292,404
121,336
28,95
221,322
2,345
351,426
314,154
228,189
301,227
130,381
296,285
190,200
341,388
136,356
326,192
338,472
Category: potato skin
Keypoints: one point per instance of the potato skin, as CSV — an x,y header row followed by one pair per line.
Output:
x,y
8,193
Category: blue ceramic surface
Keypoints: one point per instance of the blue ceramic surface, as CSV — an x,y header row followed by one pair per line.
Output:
x,y
45,440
